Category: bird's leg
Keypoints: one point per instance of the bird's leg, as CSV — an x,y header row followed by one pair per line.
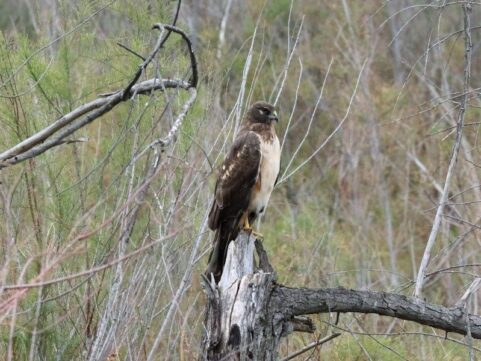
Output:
x,y
248,228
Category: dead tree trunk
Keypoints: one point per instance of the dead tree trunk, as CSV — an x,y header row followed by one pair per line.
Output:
x,y
233,324
248,313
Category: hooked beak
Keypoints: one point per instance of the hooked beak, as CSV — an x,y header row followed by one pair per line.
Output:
x,y
274,116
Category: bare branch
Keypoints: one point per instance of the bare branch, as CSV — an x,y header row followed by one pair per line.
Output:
x,y
160,43
56,132
193,61
454,156
302,301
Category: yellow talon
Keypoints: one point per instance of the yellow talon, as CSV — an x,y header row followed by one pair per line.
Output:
x,y
258,235
247,227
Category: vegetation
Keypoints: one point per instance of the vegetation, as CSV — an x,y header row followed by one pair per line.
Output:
x,y
369,95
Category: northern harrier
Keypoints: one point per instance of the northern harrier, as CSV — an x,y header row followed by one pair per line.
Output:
x,y
245,181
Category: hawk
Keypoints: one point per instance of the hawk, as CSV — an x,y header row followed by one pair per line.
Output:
x,y
245,181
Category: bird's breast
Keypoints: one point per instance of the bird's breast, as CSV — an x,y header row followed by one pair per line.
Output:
x,y
268,171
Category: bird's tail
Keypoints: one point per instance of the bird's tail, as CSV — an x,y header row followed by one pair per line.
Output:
x,y
224,234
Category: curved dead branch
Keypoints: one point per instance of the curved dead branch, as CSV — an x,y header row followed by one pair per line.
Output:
x,y
303,301
55,134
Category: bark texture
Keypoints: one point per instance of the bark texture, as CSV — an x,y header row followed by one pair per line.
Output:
x,y
302,301
248,313
237,309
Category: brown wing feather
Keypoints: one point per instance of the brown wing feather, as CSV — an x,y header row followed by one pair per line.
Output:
x,y
237,176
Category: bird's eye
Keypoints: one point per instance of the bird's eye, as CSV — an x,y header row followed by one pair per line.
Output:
x,y
264,111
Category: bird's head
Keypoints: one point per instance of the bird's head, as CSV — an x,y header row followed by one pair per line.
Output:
x,y
262,112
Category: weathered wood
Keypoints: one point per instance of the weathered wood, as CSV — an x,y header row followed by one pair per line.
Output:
x,y
248,313
302,301
235,327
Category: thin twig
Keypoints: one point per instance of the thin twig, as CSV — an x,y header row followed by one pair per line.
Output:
x,y
339,125
473,287
38,51
160,43
91,270
130,51
148,59
311,346
452,163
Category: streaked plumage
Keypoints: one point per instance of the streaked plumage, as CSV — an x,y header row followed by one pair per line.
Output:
x,y
245,181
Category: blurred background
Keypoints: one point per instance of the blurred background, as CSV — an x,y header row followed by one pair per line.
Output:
x,y
369,95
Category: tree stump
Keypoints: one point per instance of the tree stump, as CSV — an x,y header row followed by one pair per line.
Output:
x,y
239,325
248,313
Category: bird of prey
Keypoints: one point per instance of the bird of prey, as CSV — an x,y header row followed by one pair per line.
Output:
x,y
245,181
